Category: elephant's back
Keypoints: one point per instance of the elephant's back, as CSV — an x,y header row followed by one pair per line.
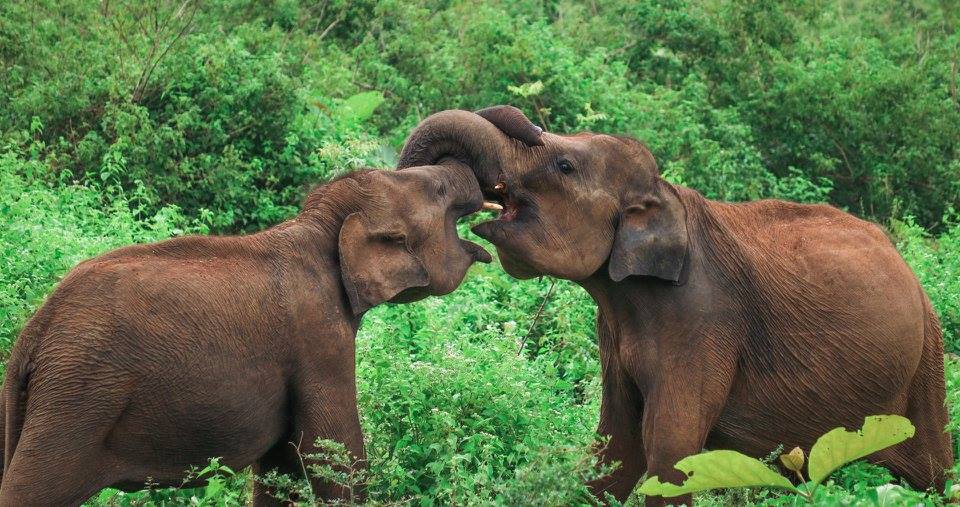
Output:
x,y
136,314
815,265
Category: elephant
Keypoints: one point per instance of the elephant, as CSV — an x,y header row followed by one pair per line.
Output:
x,y
739,326
153,358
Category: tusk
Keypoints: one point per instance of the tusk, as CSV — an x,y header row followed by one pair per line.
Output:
x,y
491,206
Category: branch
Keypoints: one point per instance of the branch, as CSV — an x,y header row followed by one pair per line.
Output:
x,y
148,70
329,27
536,318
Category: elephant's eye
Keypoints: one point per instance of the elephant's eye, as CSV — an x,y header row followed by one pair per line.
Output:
x,y
565,166
393,237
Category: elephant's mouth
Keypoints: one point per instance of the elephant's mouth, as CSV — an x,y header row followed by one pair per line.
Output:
x,y
507,209
500,199
510,230
476,252
503,230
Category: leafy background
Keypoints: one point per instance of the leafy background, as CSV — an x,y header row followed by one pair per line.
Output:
x,y
125,121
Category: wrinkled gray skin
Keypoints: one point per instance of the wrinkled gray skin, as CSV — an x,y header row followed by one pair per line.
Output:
x,y
730,326
153,358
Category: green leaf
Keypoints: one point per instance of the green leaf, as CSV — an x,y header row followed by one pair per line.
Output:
x,y
361,106
717,469
526,89
211,467
839,446
891,494
214,487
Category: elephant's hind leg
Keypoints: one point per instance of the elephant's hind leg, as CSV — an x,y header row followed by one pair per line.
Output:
x,y
61,457
923,459
54,468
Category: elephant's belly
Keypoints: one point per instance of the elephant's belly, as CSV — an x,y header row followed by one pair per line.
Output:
x,y
160,435
760,415
804,377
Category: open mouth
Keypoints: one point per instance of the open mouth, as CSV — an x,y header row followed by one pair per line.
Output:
x,y
498,199
507,209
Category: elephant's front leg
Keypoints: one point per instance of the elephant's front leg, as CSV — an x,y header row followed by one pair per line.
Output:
x,y
679,412
621,408
332,415
325,411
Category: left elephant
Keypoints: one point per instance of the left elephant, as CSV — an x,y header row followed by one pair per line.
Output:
x,y
152,358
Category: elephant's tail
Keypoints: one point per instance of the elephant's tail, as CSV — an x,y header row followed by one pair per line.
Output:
x,y
14,406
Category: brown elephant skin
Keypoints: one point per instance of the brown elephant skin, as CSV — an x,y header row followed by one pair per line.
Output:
x,y
729,326
153,358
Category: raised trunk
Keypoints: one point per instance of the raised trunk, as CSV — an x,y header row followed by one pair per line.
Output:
x,y
461,135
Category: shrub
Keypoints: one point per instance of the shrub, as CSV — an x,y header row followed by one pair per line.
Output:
x,y
454,415
222,124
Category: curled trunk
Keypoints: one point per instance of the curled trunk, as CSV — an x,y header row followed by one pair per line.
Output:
x,y
461,135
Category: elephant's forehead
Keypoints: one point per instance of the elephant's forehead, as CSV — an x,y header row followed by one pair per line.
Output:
x,y
577,139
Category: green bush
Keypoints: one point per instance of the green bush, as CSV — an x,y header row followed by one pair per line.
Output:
x,y
455,415
227,125
738,94
232,107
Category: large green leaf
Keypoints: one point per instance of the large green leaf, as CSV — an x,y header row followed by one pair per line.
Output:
x,y
839,446
717,469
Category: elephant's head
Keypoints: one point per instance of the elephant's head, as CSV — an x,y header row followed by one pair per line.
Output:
x,y
572,204
402,244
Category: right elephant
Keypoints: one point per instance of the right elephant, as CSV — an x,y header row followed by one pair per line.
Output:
x,y
733,326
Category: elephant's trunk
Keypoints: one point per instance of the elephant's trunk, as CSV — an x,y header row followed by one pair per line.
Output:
x,y
458,134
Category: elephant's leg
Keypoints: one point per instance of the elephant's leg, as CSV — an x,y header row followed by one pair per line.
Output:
x,y
620,416
281,458
680,409
672,430
61,457
54,466
923,459
3,433
330,413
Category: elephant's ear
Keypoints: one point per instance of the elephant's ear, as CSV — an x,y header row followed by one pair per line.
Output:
x,y
512,122
376,264
651,237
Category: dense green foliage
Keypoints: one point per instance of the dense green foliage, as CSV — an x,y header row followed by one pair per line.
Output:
x,y
228,108
126,122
